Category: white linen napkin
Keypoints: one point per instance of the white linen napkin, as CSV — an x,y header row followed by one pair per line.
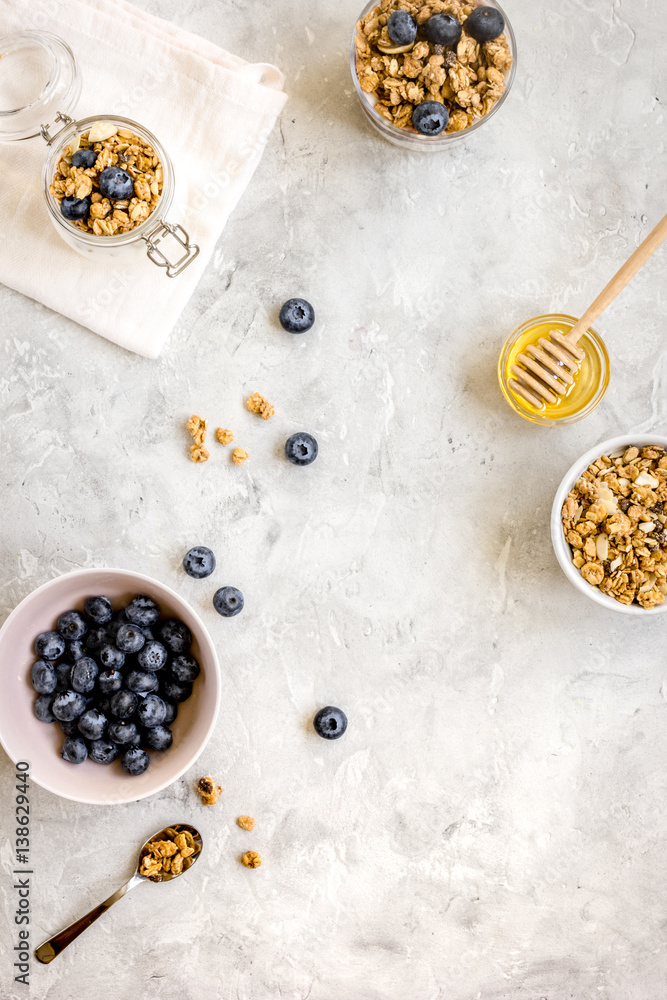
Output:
x,y
212,112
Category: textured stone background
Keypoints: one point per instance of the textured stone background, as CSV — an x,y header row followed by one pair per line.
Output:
x,y
492,824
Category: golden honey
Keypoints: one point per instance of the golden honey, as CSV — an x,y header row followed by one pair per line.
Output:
x,y
590,381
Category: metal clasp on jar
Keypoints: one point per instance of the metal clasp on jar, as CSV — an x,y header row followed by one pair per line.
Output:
x,y
160,258
44,129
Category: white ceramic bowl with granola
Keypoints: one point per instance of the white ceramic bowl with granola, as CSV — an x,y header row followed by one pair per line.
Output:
x,y
609,524
108,183
431,72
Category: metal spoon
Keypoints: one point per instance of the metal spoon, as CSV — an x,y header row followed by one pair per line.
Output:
x,y
51,948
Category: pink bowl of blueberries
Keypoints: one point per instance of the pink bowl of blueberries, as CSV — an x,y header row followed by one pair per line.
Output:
x,y
112,686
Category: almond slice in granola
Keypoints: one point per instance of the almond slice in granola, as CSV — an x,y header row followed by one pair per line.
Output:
x,y
394,50
101,131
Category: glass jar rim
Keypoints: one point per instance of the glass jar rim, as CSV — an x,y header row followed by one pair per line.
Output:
x,y
157,215
442,140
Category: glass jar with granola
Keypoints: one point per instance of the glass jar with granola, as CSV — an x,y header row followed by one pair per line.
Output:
x,y
108,182
430,72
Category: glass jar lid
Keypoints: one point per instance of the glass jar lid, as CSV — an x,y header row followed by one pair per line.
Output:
x,y
39,78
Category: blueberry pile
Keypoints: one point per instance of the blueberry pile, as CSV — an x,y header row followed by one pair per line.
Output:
x,y
113,681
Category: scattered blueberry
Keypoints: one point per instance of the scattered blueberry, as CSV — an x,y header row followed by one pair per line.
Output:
x,y
74,750
443,29
42,708
72,625
68,705
103,751
84,675
228,601
96,638
297,316
402,27
175,635
184,668
123,704
330,723
153,656
173,691
141,681
110,657
49,646
485,24
123,733
84,158
142,610
135,761
75,208
98,609
151,711
199,562
130,639
110,681
75,650
43,677
159,738
116,184
301,448
430,118
92,724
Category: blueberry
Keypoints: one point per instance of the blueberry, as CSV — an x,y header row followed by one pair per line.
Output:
x,y
171,711
199,562
297,316
301,448
123,704
184,668
176,636
153,656
110,657
49,646
84,158
64,674
228,601
402,27
96,638
130,639
43,677
173,691
42,708
485,24
103,751
75,208
148,633
84,675
142,610
72,625
74,750
116,183
443,29
430,118
135,761
159,738
92,724
123,733
99,610
104,704
70,728
113,627
141,681
330,723
151,711
75,650
68,705
110,681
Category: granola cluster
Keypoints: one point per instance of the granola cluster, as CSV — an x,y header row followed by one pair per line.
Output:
x,y
246,822
251,859
259,404
614,521
197,429
467,78
209,791
114,147
169,856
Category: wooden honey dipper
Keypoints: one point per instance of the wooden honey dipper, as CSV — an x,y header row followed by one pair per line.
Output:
x,y
544,371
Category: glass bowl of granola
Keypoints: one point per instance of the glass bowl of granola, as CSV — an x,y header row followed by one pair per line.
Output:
x,y
464,82
609,524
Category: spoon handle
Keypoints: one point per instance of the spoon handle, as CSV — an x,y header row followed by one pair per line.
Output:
x,y
620,279
48,951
